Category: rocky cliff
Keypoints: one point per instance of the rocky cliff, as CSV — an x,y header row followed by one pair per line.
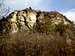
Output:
x,y
25,20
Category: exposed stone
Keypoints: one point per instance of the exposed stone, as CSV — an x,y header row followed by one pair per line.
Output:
x,y
25,20
22,20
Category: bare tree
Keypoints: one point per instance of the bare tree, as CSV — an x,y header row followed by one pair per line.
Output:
x,y
4,10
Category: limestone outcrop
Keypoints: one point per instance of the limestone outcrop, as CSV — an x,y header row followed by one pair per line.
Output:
x,y
20,20
24,20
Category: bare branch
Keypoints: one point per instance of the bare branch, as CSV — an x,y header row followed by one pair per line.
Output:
x,y
4,10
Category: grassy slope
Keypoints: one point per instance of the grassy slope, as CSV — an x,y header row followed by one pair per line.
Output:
x,y
39,44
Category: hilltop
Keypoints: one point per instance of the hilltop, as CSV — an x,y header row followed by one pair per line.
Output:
x,y
27,19
29,32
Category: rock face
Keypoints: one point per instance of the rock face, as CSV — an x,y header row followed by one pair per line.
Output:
x,y
54,17
24,20
20,20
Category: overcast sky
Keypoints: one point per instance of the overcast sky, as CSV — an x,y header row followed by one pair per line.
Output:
x,y
67,7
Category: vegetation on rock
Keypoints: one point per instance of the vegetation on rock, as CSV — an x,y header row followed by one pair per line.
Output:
x,y
50,36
